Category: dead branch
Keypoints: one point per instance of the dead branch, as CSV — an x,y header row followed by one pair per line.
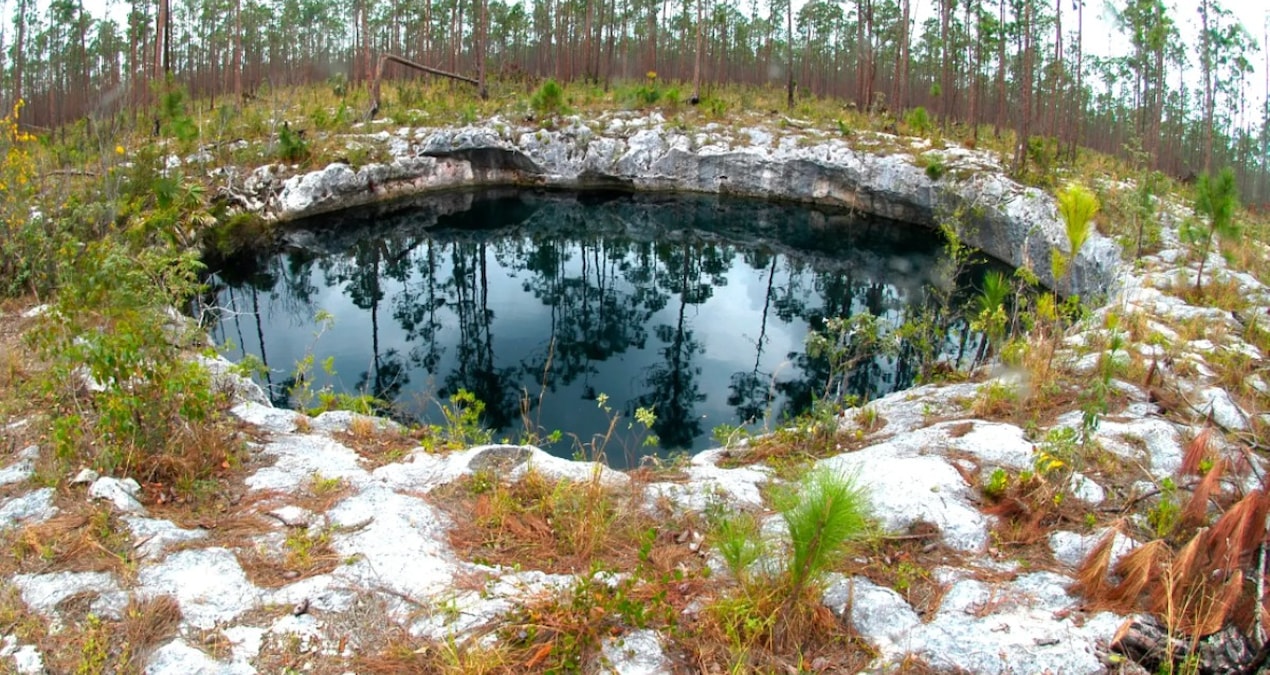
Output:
x,y
384,59
68,172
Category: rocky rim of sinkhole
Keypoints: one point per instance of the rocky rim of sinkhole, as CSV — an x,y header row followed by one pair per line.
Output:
x,y
972,604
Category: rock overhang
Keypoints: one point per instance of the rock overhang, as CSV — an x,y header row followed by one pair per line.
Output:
x,y
1014,223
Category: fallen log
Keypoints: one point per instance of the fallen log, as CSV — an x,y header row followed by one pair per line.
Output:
x,y
384,59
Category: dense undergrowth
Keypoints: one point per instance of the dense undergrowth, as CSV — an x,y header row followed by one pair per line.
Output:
x,y
99,225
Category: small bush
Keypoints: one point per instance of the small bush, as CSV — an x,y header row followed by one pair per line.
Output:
x,y
918,122
935,167
549,99
291,145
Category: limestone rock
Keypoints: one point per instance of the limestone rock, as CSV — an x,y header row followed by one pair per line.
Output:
x,y
209,585
42,592
910,480
179,658
638,652
156,536
32,507
122,494
1014,223
27,660
23,468
1071,548
879,614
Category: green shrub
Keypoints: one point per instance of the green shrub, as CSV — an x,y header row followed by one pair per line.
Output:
x,y
113,325
549,99
1077,206
291,145
935,167
918,122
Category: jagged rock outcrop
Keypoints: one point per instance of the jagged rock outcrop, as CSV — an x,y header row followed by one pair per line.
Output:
x,y
879,175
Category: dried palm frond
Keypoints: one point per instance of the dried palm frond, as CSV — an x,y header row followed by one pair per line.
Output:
x,y
1091,576
1195,452
1212,615
1196,510
1138,568
1240,530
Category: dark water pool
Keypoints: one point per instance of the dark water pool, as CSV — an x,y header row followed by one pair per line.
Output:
x,y
696,307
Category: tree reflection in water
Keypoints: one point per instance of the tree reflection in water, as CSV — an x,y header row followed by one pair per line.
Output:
x,y
697,307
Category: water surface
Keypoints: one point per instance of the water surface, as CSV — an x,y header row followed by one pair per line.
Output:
x,y
697,307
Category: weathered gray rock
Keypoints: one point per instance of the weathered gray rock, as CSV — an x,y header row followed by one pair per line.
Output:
x,y
879,614
911,480
179,658
155,537
27,659
266,416
32,507
226,378
209,585
42,592
638,652
21,469
1071,548
1017,224
122,494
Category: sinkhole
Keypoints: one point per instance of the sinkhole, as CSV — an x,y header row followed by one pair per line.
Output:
x,y
563,312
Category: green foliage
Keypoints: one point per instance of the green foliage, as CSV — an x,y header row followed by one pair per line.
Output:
x,y
845,343
1149,185
935,166
548,101
112,324
1216,199
1057,451
27,241
177,123
991,318
918,122
646,95
291,145
338,84
464,425
830,511
1077,206
1166,514
738,537
997,484
671,98
237,232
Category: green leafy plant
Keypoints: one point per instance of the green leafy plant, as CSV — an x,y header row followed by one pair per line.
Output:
x,y
291,145
935,166
1077,206
463,418
112,326
549,99
997,484
918,122
177,123
830,511
846,343
1216,198
991,318
738,538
